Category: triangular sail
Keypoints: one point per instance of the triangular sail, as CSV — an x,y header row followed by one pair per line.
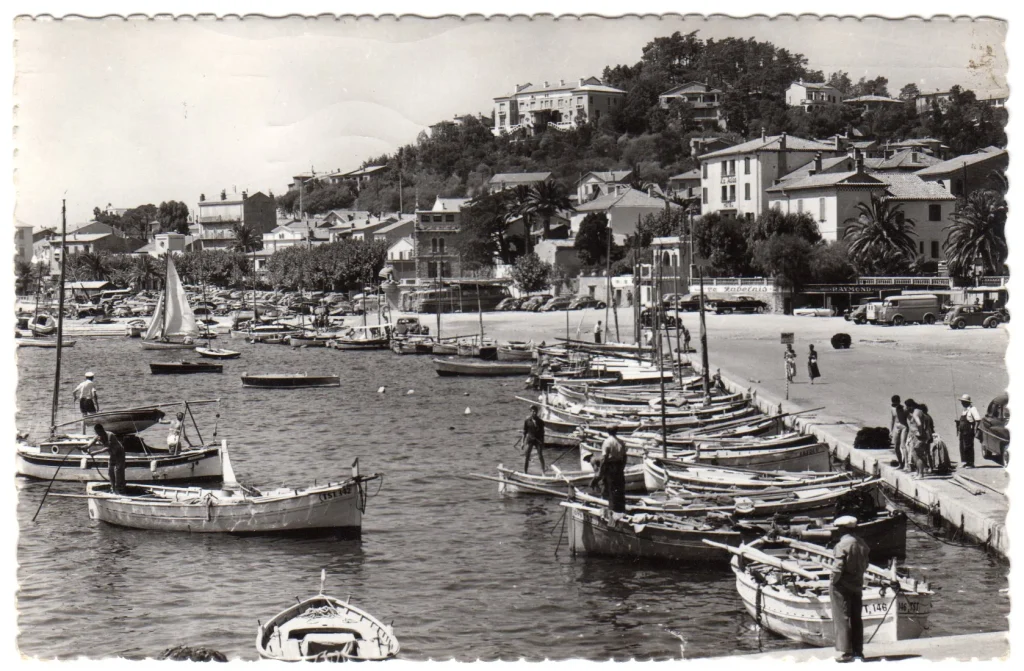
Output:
x,y
179,318
156,325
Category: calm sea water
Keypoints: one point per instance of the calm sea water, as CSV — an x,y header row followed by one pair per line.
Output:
x,y
461,572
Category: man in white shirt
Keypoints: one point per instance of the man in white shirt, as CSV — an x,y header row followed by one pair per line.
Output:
x,y
85,394
965,428
598,332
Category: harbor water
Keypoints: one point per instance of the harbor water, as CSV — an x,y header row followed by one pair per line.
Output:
x,y
461,572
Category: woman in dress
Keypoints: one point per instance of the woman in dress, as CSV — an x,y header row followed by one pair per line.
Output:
x,y
812,365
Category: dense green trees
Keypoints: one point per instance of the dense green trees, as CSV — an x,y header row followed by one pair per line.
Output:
x,y
977,235
530,274
592,240
880,238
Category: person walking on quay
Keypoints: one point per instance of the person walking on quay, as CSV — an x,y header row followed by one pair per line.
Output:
x,y
846,586
790,357
920,429
597,332
965,429
116,463
686,340
898,432
533,438
612,471
85,394
629,299
812,364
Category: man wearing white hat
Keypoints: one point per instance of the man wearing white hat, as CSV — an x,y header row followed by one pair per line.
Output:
x,y
846,588
85,394
965,428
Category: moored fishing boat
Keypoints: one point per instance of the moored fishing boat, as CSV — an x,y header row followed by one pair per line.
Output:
x,y
217,353
289,380
335,507
784,585
184,367
414,344
325,629
49,343
701,477
518,483
444,349
516,351
124,421
592,531
363,337
452,367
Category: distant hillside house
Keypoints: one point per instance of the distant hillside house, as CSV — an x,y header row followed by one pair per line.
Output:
x,y
623,210
704,101
396,230
597,183
686,184
706,145
217,219
555,104
510,180
434,237
871,102
808,95
832,198
734,180
924,102
963,174
904,160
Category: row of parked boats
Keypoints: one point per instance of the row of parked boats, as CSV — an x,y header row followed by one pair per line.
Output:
x,y
711,480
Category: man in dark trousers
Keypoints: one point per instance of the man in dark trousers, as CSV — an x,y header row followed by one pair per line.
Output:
x,y
846,588
965,428
533,437
598,332
612,471
115,450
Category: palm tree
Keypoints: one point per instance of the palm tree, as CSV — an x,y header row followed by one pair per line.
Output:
x,y
546,199
247,240
880,235
143,272
94,265
25,277
520,201
977,234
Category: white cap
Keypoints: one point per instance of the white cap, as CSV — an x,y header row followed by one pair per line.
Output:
x,y
90,374
846,521
966,398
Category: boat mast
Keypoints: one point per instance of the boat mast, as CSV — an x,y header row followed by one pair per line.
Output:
x,y
679,323
704,338
659,309
167,292
480,312
60,314
437,296
608,283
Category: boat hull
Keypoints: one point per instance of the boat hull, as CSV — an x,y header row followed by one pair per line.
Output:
x,y
510,481
381,343
447,368
335,508
374,639
290,381
814,458
157,345
124,421
217,353
184,368
191,466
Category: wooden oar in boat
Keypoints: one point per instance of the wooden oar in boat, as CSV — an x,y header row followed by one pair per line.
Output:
x,y
764,558
827,554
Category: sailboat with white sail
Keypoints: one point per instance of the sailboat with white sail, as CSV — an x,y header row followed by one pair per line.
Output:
x,y
173,317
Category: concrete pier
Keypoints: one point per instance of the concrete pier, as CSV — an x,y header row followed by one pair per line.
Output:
x,y
963,648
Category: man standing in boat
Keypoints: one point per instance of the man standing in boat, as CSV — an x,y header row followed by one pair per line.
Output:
x,y
533,438
846,590
85,394
116,465
613,471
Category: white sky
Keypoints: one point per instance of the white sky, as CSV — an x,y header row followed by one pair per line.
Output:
x,y
129,112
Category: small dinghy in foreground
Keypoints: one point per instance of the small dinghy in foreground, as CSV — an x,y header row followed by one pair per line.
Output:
x,y
217,353
325,629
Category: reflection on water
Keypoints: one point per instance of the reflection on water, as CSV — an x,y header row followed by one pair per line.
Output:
x,y
461,572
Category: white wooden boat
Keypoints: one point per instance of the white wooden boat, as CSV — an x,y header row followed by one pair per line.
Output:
x,y
217,353
67,460
49,343
557,483
364,337
335,507
777,471
290,381
784,585
325,629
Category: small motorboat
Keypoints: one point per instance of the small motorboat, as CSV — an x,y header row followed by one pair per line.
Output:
x,y
49,343
325,629
184,367
516,351
290,381
43,325
217,353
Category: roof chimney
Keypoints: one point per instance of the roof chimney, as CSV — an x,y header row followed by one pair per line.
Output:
x,y
860,161
913,157
561,82
782,141
817,162
545,83
763,136
581,81
840,144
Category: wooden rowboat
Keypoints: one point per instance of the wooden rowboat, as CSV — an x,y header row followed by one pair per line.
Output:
x,y
49,343
333,507
517,483
591,531
325,629
784,585
161,345
66,460
290,381
129,420
217,353
449,367
184,367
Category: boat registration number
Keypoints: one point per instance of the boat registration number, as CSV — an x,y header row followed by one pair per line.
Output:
x,y
904,607
344,491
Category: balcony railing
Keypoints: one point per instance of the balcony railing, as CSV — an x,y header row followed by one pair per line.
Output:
x,y
220,218
437,226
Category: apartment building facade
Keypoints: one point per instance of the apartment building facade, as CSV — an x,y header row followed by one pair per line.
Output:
x,y
217,219
562,105
810,95
434,239
704,101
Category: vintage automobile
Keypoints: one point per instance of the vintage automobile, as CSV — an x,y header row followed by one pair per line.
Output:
x,y
584,302
993,433
736,304
685,302
533,303
509,304
410,326
556,303
647,316
962,316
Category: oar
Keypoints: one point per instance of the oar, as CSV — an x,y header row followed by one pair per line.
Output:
x,y
764,558
56,473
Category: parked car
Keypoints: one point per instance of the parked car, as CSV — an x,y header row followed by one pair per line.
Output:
x,y
510,303
736,304
666,317
684,302
584,302
905,309
993,433
859,314
556,303
962,316
533,303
